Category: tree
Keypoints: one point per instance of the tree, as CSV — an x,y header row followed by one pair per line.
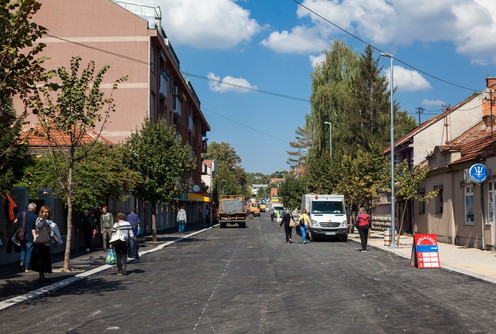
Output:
x,y
291,191
20,70
301,145
407,182
162,161
79,106
231,178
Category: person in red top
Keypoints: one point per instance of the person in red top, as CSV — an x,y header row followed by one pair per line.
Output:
x,y
363,223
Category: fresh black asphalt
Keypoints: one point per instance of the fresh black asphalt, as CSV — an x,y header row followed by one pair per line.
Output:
x,y
248,280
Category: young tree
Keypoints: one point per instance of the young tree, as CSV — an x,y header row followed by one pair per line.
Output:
x,y
407,183
162,162
20,70
64,122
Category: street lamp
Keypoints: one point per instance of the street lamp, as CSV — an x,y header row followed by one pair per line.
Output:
x,y
330,138
393,213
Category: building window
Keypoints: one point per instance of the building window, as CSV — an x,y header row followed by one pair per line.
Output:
x,y
153,60
153,111
491,196
421,204
439,199
469,205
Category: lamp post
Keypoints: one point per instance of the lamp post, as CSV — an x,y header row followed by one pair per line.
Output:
x,y
330,138
393,213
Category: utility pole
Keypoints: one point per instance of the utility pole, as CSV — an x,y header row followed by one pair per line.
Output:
x,y
446,123
419,110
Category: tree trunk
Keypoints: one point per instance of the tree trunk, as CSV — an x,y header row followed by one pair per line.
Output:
x,y
67,254
154,221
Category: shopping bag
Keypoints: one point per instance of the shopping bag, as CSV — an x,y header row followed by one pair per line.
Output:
x,y
111,259
117,237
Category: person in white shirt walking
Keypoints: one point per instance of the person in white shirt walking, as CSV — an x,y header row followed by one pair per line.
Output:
x,y
181,219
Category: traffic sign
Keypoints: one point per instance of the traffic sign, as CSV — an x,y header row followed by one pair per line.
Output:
x,y
478,173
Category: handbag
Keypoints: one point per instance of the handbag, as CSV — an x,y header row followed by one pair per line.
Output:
x,y
21,231
292,223
111,258
42,235
118,236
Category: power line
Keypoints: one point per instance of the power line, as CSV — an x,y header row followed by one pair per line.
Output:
x,y
246,87
377,49
246,126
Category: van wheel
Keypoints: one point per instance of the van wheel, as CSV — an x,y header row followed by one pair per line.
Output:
x,y
344,238
242,225
222,225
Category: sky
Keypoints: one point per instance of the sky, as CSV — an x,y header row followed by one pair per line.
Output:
x,y
443,50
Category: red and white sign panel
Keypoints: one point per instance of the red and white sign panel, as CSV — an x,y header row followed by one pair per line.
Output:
x,y
425,251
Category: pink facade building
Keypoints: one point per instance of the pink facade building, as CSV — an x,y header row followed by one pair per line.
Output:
x,y
128,37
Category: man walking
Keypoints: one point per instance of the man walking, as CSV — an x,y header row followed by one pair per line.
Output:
x,y
181,219
26,221
134,220
106,224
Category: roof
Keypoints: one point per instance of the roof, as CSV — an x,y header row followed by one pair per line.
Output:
x,y
480,148
30,134
424,125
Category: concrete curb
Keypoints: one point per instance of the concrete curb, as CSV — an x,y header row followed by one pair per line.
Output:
x,y
71,280
443,267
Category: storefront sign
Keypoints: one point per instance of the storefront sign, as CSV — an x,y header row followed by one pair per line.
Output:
x,y
425,251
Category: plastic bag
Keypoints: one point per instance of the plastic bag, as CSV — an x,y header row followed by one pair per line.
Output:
x,y
138,231
111,259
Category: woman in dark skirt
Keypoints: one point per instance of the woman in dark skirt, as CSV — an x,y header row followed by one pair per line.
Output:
x,y
41,260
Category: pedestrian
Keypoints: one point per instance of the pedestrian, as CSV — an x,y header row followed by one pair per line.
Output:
x,y
121,248
106,223
278,216
363,223
303,224
287,219
45,232
26,220
272,215
87,226
134,220
181,219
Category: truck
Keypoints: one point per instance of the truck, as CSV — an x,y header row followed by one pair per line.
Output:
x,y
232,210
327,216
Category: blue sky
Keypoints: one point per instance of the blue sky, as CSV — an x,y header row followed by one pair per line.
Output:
x,y
273,46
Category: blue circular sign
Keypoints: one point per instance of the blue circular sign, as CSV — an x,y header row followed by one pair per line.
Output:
x,y
478,173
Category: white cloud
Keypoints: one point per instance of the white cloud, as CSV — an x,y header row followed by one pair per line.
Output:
x,y
212,24
299,40
407,80
317,60
469,24
433,103
229,83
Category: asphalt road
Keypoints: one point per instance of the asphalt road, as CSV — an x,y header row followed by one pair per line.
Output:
x,y
249,280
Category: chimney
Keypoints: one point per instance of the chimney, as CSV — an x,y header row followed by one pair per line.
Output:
x,y
491,82
488,105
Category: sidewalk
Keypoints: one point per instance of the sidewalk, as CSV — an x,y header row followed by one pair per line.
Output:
x,y
14,283
469,261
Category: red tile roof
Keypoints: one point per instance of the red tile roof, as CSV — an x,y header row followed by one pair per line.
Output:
x,y
30,134
480,148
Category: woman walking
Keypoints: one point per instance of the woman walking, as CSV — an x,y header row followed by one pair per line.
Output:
x,y
121,247
363,222
303,223
288,229
44,233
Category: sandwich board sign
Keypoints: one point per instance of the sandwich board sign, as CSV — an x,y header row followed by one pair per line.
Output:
x,y
425,251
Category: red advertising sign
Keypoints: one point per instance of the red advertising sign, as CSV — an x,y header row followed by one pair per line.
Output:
x,y
425,251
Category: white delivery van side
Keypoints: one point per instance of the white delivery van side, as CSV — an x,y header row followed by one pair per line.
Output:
x,y
327,215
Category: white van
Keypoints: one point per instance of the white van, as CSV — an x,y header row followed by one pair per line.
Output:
x,y
327,215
